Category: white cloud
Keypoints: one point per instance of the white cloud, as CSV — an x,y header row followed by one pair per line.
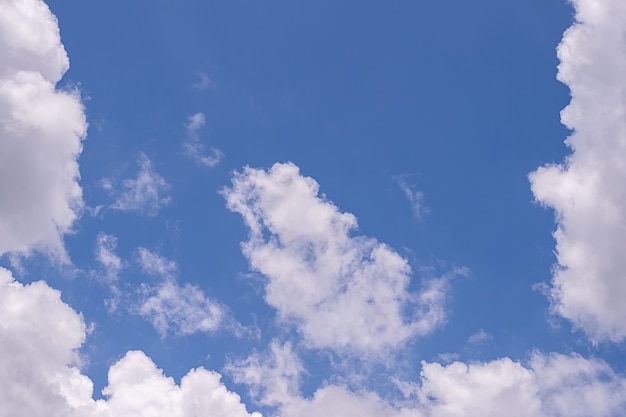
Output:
x,y
549,386
415,198
155,264
181,309
204,82
343,291
194,147
143,194
41,129
481,336
106,256
587,190
39,338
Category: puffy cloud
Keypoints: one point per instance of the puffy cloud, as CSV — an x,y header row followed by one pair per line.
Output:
x,y
41,129
587,190
143,194
551,385
39,338
138,388
171,307
343,291
39,376
194,147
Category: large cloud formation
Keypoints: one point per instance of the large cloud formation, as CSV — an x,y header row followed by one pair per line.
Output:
x,y
342,290
587,190
41,130
549,385
40,376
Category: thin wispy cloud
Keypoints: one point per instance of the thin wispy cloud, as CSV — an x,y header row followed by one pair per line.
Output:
x,y
144,194
194,147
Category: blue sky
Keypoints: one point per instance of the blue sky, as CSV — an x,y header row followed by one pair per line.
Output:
x,y
312,208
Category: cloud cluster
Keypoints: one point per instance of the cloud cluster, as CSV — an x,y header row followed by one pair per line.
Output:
x,y
587,190
551,385
41,129
40,376
343,291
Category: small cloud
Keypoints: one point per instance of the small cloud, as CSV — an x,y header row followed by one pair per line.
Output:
x,y
204,83
156,265
180,309
194,147
415,197
481,336
143,194
175,308
106,256
448,357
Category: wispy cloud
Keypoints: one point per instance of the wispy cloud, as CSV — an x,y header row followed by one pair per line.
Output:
x,y
194,147
175,308
415,197
143,194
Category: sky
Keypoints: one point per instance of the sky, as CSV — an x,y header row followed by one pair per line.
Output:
x,y
294,209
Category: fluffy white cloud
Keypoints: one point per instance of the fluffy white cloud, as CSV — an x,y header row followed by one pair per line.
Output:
x,y
587,190
143,194
41,129
39,374
194,147
171,307
552,385
343,291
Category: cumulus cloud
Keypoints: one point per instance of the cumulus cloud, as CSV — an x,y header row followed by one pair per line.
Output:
x,y
42,129
343,291
194,147
587,190
144,194
174,308
552,385
40,377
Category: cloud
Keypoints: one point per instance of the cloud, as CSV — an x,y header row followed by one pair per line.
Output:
x,y
42,129
587,190
143,194
181,309
204,82
39,375
343,291
193,146
415,198
173,308
552,385
106,256
481,336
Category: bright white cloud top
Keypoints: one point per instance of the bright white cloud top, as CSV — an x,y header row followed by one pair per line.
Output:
x,y
41,130
341,324
587,190
343,291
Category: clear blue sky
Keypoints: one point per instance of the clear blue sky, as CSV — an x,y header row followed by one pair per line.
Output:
x,y
343,208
